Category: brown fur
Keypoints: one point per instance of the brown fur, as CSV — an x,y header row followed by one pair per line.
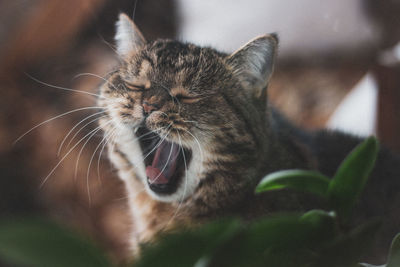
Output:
x,y
215,106
209,101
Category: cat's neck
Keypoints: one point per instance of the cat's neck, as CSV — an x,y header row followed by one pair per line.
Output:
x,y
287,145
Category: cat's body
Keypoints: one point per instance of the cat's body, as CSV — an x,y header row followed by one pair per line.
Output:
x,y
192,134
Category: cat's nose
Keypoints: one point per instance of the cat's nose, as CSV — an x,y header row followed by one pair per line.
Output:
x,y
148,108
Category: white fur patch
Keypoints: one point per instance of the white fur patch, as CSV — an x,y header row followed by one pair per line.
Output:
x,y
129,145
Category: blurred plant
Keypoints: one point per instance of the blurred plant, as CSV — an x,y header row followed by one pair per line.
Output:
x,y
34,242
342,191
315,238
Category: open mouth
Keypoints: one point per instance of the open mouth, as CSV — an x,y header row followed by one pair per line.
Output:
x,y
165,161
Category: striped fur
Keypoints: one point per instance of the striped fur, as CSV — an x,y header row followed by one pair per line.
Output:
x,y
214,105
222,120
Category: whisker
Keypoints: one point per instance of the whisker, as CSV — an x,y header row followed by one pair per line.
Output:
x,y
121,198
134,11
94,75
186,179
94,153
200,148
159,129
158,144
147,134
131,196
110,139
112,47
165,114
77,161
90,163
63,158
53,118
73,128
63,88
123,87
194,122
166,164
83,127
98,128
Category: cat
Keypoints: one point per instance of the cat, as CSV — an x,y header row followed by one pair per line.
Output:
x,y
192,133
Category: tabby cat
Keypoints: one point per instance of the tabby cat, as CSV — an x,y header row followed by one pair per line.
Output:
x,y
192,135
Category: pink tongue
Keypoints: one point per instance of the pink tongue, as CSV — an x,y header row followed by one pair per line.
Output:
x,y
164,163
155,175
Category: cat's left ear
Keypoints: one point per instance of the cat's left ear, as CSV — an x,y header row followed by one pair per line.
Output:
x,y
127,36
253,63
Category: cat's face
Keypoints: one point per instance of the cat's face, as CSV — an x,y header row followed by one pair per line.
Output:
x,y
172,107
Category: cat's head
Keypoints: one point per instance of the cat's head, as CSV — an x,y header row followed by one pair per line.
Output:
x,y
178,111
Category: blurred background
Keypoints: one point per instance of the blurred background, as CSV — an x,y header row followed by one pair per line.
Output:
x,y
338,67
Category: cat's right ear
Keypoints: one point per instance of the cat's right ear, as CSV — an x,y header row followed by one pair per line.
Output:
x,y
128,37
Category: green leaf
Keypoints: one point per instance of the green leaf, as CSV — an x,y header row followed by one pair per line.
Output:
x,y
348,249
369,265
323,223
351,177
309,181
281,241
190,247
317,216
42,243
285,240
248,249
394,256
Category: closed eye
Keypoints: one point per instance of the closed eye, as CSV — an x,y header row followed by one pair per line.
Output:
x,y
187,98
134,87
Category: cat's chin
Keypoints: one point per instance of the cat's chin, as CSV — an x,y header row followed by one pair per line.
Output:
x,y
166,166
